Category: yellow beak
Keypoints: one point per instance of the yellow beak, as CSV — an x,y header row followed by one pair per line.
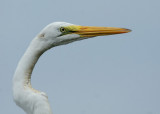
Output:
x,y
91,31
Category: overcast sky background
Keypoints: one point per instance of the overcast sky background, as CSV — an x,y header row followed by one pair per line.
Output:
x,y
117,74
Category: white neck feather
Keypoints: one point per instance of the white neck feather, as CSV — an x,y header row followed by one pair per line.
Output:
x,y
26,65
32,101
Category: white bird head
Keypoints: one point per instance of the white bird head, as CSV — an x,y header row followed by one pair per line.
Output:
x,y
59,33
54,34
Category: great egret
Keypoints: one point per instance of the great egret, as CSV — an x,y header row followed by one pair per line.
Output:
x,y
29,99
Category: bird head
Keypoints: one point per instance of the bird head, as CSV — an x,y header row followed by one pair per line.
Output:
x,y
60,33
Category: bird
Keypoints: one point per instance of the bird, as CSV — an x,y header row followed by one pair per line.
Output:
x,y
33,101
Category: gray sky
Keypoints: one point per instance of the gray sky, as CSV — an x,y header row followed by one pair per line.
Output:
x,y
117,74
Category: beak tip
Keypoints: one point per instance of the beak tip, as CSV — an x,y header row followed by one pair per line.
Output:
x,y
127,30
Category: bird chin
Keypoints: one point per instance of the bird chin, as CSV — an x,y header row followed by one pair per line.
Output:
x,y
67,41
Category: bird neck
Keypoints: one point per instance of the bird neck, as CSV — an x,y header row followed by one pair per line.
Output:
x,y
22,77
30,100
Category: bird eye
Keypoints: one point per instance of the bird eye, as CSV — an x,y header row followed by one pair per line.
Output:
x,y
62,29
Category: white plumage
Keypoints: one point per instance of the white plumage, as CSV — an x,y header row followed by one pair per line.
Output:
x,y
33,101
